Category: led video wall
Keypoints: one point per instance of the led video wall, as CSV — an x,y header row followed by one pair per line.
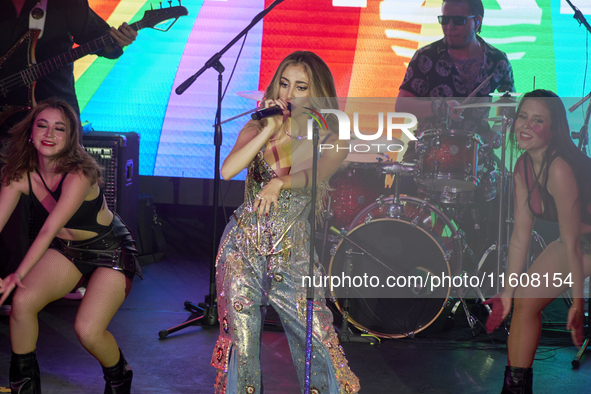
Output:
x,y
366,43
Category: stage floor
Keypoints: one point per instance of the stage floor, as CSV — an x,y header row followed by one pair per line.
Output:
x,y
435,361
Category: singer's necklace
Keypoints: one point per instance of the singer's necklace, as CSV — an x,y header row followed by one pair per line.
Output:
x,y
286,131
299,137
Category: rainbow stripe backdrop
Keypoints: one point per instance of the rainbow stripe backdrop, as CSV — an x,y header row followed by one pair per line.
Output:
x,y
366,43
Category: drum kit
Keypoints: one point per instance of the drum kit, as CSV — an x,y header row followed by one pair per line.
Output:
x,y
378,232
372,229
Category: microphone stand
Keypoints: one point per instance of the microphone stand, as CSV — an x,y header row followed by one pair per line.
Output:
x,y
583,134
207,311
583,137
310,288
579,16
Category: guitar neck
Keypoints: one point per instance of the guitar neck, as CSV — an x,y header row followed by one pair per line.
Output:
x,y
37,71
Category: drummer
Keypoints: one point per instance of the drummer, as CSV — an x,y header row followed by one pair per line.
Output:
x,y
442,73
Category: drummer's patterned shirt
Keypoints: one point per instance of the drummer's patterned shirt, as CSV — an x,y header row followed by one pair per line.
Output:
x,y
432,73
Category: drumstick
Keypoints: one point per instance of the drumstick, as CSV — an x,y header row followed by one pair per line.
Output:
x,y
477,89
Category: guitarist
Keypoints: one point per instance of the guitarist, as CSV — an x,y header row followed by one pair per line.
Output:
x,y
63,23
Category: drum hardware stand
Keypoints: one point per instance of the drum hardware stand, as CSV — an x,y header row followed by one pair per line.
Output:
x,y
208,312
582,135
449,322
396,209
345,334
506,123
472,321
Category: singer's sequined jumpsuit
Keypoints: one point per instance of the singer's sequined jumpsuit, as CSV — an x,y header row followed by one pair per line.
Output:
x,y
261,262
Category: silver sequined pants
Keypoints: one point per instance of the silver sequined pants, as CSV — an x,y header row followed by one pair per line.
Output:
x,y
246,285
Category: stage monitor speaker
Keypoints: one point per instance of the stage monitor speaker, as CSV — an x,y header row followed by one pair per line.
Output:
x,y
118,154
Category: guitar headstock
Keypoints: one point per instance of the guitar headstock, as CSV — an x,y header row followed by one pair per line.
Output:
x,y
162,19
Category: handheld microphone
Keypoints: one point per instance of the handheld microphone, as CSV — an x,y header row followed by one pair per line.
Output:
x,y
271,111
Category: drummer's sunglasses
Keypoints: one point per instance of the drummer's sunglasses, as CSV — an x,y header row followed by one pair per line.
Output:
x,y
457,20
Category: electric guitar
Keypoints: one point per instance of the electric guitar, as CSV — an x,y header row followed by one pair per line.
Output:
x,y
17,88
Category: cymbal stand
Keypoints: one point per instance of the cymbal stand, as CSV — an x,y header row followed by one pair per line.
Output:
x,y
583,134
508,221
502,221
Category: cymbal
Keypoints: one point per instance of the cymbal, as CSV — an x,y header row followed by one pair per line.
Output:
x,y
496,119
499,94
502,102
252,94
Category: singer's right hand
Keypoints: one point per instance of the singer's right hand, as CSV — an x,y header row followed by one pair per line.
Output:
x,y
501,306
279,102
275,121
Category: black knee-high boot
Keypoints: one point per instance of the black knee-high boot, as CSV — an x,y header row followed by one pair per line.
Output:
x,y
118,377
518,380
24,374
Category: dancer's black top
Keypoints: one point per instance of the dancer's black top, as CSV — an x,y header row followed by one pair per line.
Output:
x,y
540,201
80,219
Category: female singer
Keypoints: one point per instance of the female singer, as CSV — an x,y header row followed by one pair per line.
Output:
x,y
264,253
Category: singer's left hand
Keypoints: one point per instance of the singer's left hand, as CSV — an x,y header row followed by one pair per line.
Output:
x,y
267,197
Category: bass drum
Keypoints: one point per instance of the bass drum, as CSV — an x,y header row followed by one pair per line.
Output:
x,y
395,243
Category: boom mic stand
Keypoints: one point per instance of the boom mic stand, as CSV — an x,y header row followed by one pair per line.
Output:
x,y
583,137
207,311
583,134
579,16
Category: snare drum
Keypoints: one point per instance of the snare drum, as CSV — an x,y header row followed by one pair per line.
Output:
x,y
486,191
410,239
448,161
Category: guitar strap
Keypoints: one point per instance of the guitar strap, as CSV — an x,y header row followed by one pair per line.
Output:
x,y
37,16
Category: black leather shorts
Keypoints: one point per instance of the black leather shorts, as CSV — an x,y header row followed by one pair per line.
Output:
x,y
113,248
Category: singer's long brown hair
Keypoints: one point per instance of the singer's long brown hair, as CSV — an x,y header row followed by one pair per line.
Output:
x,y
20,155
321,80
322,88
